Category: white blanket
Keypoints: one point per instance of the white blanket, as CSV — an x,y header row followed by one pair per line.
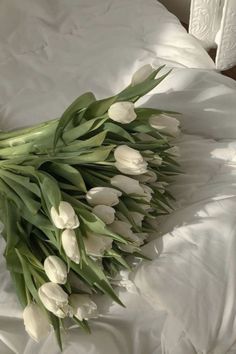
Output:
x,y
51,51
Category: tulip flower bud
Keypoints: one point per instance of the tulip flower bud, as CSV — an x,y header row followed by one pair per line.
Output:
x,y
36,322
122,112
129,161
157,160
65,218
127,184
174,151
137,217
165,124
148,193
70,245
124,229
105,213
55,299
96,244
148,177
83,307
161,186
55,269
103,196
142,74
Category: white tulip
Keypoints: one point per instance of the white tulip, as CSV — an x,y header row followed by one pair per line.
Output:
x,y
103,196
129,161
96,244
142,237
65,217
83,307
161,186
105,213
148,193
148,177
123,228
138,239
127,184
122,112
55,299
122,279
55,269
157,160
174,151
70,245
36,322
141,74
137,217
165,124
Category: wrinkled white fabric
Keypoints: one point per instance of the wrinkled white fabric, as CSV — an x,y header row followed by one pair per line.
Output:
x,y
52,51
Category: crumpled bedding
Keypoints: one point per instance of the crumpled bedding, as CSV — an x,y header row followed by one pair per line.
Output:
x,y
182,302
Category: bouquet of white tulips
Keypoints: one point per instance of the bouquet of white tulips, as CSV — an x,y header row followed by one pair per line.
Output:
x,y
78,195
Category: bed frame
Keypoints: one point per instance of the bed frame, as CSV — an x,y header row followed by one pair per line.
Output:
x,y
213,22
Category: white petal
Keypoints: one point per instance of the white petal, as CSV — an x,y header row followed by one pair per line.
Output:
x,y
142,74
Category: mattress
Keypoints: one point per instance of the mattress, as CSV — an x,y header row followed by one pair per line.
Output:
x,y
182,302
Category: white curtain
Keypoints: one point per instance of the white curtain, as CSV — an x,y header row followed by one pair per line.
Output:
x,y
213,22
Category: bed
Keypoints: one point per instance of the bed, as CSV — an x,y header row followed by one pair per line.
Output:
x,y
182,302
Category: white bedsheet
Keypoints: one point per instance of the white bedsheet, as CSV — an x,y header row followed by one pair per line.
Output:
x,y
50,52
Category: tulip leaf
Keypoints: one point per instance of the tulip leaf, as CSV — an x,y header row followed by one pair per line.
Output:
x,y
70,174
98,108
7,192
97,225
11,219
149,146
141,255
28,277
19,284
56,326
140,127
27,197
83,129
141,89
50,189
145,113
39,220
13,262
93,274
83,324
96,155
23,181
81,102
119,131
118,257
134,205
94,141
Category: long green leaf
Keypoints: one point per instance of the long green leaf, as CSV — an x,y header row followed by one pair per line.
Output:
x,y
19,284
119,131
98,108
140,89
27,197
83,129
81,102
69,173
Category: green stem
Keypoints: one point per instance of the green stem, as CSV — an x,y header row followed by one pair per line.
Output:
x,y
31,134
28,296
